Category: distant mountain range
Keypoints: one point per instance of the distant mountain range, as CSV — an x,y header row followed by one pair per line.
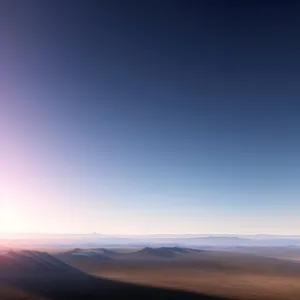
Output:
x,y
187,240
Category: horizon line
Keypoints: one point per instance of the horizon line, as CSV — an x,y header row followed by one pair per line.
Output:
x,y
147,234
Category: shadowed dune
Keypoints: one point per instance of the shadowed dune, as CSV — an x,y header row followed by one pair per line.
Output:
x,y
38,275
150,273
32,263
60,288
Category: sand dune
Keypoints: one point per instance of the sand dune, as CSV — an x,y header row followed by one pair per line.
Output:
x,y
32,263
34,275
233,275
149,273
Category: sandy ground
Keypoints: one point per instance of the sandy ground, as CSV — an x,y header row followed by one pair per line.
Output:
x,y
235,286
230,275
208,273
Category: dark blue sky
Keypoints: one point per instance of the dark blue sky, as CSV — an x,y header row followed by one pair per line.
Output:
x,y
153,116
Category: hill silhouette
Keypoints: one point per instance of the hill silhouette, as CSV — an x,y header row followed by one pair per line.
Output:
x,y
93,253
165,252
103,254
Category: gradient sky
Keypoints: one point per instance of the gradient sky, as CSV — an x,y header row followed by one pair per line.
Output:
x,y
150,116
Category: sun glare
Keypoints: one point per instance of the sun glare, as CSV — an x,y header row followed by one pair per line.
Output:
x,y
10,217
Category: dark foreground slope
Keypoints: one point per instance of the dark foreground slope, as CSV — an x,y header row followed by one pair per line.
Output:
x,y
34,275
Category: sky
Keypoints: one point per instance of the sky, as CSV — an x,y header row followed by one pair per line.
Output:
x,y
140,117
